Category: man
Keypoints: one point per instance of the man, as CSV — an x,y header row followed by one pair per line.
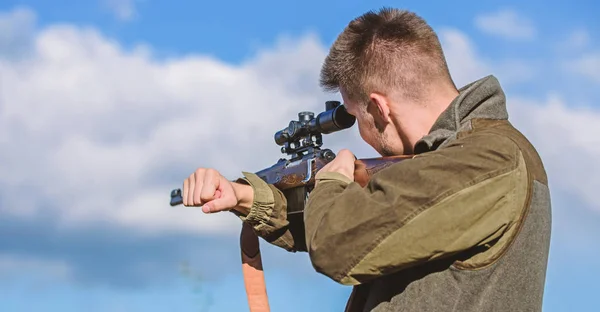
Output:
x,y
462,226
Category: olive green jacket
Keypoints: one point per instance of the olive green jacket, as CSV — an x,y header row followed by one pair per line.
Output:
x,y
463,226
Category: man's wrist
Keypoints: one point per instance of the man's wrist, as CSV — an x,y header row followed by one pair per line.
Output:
x,y
245,196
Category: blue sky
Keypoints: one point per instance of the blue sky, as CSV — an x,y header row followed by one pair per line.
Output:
x,y
111,103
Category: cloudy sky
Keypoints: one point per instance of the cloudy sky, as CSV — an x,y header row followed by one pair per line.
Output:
x,y
105,106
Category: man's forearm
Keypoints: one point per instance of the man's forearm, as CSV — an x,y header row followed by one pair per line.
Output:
x,y
245,193
264,207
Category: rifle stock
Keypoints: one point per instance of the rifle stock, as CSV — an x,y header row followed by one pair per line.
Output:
x,y
302,174
364,169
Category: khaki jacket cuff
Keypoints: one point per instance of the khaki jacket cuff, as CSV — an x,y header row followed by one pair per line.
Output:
x,y
332,176
262,206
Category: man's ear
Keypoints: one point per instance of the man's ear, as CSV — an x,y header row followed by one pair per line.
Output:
x,y
379,108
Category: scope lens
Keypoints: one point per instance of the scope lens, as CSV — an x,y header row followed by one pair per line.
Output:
x,y
281,137
342,118
333,120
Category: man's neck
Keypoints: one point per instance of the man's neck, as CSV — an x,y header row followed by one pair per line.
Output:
x,y
417,119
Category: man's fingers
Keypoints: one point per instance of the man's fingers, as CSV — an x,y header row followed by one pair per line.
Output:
x,y
346,154
192,187
186,186
202,184
210,185
220,204
205,185
225,197
344,163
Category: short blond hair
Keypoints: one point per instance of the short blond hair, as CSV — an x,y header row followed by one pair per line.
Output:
x,y
388,51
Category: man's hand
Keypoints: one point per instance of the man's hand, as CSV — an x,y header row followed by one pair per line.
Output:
x,y
209,189
343,163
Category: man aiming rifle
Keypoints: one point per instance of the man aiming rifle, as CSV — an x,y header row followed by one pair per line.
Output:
x,y
464,225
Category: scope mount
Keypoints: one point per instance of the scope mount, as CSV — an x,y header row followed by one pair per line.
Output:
x,y
304,136
302,141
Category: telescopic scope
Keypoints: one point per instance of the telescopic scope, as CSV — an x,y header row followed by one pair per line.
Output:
x,y
334,118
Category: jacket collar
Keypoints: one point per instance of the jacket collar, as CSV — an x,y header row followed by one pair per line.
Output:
x,y
483,99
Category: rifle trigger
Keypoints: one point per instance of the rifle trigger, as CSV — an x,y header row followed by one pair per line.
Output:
x,y
309,170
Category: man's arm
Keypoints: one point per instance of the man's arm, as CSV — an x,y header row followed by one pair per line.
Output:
x,y
433,206
268,213
258,204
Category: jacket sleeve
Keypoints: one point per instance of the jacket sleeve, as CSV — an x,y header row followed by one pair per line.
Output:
x,y
435,205
268,214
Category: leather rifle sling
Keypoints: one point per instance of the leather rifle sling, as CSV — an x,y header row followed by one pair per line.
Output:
x,y
254,279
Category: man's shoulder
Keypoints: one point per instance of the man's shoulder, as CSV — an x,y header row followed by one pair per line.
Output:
x,y
502,137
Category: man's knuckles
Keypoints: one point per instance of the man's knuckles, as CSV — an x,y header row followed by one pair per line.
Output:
x,y
345,153
202,186
199,172
207,196
211,172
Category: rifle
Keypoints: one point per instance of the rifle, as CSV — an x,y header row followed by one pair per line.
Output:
x,y
302,142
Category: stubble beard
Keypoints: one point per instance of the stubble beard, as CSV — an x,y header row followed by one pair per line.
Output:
x,y
385,149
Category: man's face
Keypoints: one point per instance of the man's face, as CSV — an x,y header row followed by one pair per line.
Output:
x,y
376,138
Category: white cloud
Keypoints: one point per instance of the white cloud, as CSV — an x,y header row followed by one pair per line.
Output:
x,y
567,140
94,132
96,124
506,23
467,64
124,10
462,57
